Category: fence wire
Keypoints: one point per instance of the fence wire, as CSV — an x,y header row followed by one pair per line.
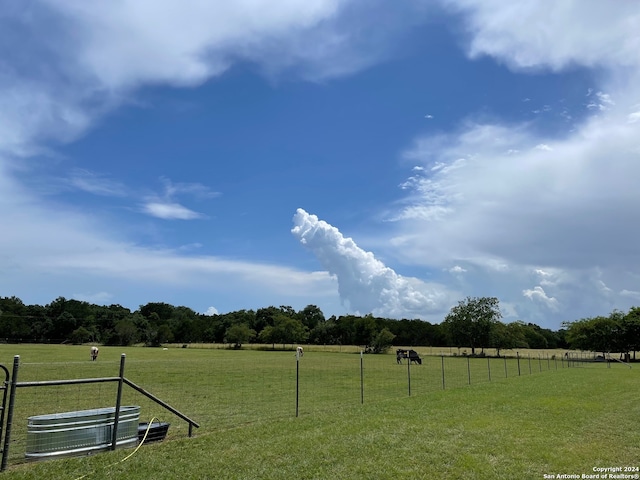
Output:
x,y
225,389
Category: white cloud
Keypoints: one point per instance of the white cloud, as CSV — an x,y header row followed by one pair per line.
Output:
x,y
211,311
196,190
364,282
544,147
169,211
86,59
99,298
95,183
533,34
538,294
601,103
469,203
51,251
556,205
631,294
457,269
509,213
132,42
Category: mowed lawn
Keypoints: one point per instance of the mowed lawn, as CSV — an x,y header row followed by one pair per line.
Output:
x,y
551,421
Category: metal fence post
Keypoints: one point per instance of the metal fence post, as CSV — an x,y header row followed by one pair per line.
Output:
x,y
506,374
539,363
489,368
409,373
529,356
12,401
361,378
442,357
469,370
518,356
116,417
297,380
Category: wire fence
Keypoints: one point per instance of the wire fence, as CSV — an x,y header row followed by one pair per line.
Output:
x,y
225,389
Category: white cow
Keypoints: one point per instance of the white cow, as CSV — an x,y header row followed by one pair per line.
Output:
x,y
94,353
299,352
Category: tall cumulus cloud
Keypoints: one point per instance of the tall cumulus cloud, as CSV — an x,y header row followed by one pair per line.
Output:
x,y
364,282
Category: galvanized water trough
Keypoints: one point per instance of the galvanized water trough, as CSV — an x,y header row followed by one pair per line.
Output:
x,y
81,432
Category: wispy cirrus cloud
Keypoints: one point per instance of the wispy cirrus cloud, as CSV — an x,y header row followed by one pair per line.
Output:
x,y
166,208
195,190
96,184
169,211
47,253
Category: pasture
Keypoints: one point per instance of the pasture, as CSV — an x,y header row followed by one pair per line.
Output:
x,y
549,420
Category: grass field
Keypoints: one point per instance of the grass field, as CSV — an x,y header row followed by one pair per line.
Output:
x,y
553,420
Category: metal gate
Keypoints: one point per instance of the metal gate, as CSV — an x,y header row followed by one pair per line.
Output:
x,y
11,382
5,388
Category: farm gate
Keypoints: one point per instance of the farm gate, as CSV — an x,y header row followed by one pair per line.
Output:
x,y
11,384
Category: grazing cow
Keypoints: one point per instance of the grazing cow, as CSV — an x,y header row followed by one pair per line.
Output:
x,y
411,355
94,353
299,352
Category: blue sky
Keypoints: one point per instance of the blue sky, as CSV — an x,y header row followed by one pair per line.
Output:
x,y
379,156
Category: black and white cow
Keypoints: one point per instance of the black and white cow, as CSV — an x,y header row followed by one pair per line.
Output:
x,y
94,353
411,355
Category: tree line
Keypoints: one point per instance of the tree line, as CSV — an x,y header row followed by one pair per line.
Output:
x,y
618,332
474,323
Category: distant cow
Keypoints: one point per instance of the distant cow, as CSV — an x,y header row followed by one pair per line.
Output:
x,y
94,353
299,352
411,355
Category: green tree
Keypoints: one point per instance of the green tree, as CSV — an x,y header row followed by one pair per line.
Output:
x,y
534,337
157,312
80,335
597,334
578,333
631,330
289,330
325,333
264,318
126,332
311,316
469,323
382,341
82,311
507,336
182,324
365,330
106,319
64,325
238,334
268,335
163,335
